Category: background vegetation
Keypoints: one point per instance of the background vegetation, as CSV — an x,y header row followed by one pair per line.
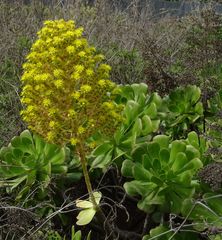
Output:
x,y
140,47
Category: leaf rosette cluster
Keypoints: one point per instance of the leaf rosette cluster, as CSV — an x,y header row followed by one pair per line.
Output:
x,y
163,171
28,161
141,115
67,94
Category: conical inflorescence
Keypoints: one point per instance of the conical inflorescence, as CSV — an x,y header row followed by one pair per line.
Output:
x,y
66,89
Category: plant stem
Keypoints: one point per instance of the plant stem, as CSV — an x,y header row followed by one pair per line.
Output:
x,y
86,175
102,217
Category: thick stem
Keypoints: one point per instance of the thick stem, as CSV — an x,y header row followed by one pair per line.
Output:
x,y
86,175
102,217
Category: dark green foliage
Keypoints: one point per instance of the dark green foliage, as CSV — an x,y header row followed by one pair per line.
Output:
x,y
29,162
184,111
141,121
204,213
165,233
163,173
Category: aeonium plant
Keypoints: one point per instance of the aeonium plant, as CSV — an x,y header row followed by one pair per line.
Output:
x,y
29,162
67,94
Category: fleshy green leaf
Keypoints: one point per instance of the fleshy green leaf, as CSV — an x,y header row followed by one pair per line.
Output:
x,y
127,168
176,147
140,173
179,162
159,233
151,111
147,125
85,216
162,140
84,204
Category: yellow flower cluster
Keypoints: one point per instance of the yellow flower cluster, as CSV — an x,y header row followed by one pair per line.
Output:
x,y
66,89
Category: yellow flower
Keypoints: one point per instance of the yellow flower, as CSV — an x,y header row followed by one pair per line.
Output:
x,y
110,83
71,113
45,76
83,102
52,50
92,144
48,93
73,141
27,65
109,105
70,49
52,124
60,25
46,102
82,54
99,57
105,67
48,23
91,123
78,32
79,68
58,73
91,49
39,87
39,65
85,88
56,40
42,77
75,76
52,112
69,34
22,112
30,108
81,130
77,43
89,72
32,56
76,95
26,100
27,87
102,83
58,83
38,78
50,136
48,42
